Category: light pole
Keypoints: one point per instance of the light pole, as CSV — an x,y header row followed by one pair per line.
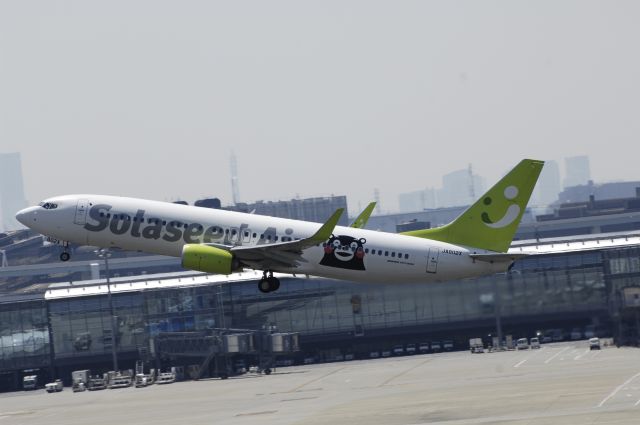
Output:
x,y
105,254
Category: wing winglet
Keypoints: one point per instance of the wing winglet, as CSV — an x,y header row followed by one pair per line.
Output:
x,y
362,219
326,230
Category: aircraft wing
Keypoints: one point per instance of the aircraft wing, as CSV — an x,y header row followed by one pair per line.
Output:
x,y
284,254
362,219
499,257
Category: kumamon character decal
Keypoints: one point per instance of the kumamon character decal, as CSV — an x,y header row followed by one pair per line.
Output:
x,y
344,252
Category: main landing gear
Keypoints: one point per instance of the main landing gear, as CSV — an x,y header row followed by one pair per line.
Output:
x,y
268,283
65,255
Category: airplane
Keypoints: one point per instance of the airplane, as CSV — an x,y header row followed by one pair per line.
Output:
x,y
219,241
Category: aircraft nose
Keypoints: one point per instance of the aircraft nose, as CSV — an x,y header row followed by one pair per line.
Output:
x,y
27,215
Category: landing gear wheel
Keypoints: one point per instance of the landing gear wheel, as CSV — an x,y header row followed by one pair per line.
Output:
x,y
274,282
264,286
65,256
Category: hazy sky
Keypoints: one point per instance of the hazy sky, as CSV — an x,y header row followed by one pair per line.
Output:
x,y
149,98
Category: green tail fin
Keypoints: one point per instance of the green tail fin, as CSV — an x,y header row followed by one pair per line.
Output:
x,y
491,221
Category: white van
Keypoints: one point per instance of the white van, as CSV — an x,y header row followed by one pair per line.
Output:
x,y
535,343
522,344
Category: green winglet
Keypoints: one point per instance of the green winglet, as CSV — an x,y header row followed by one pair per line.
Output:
x,y
491,221
326,230
362,219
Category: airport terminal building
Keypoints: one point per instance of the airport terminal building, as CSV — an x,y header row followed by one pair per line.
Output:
x,y
579,281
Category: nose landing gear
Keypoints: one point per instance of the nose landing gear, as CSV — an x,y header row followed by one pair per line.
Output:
x,y
268,283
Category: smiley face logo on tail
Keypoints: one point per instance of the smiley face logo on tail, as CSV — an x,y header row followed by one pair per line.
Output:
x,y
512,213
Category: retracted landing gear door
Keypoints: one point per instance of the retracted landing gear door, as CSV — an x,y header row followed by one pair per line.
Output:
x,y
81,212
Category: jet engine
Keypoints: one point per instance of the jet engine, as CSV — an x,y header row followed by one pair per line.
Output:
x,y
209,259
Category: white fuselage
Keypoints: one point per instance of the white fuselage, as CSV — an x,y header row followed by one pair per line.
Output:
x,y
164,228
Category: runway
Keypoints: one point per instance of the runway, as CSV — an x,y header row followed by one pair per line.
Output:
x,y
561,383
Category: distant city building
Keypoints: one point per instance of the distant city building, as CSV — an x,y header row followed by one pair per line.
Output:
x,y
209,203
310,209
548,186
460,188
577,171
11,190
418,200
602,191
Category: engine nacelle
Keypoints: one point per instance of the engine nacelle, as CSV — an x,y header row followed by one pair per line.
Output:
x,y
209,259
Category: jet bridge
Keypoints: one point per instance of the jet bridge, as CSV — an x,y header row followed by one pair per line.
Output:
x,y
215,349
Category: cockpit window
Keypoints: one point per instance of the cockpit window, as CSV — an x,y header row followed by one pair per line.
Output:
x,y
48,205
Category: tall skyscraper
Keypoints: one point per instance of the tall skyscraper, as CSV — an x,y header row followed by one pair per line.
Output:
x,y
456,187
548,186
11,190
418,200
577,171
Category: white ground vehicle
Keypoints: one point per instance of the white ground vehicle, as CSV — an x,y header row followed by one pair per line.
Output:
x,y
447,345
166,378
398,350
522,344
424,347
54,387
476,345
436,346
30,382
535,342
411,349
594,343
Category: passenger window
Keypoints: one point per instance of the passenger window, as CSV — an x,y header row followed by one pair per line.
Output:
x,y
406,256
254,235
393,254
386,253
366,250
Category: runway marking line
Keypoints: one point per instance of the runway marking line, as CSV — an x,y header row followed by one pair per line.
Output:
x,y
299,387
617,389
579,356
404,372
529,357
556,355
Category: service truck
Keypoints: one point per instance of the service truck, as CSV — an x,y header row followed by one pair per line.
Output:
x,y
30,382
476,345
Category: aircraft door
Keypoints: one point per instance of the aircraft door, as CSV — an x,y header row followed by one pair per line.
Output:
x,y
432,260
81,212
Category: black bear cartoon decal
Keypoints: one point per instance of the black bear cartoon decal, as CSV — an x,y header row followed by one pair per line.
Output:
x,y
344,252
